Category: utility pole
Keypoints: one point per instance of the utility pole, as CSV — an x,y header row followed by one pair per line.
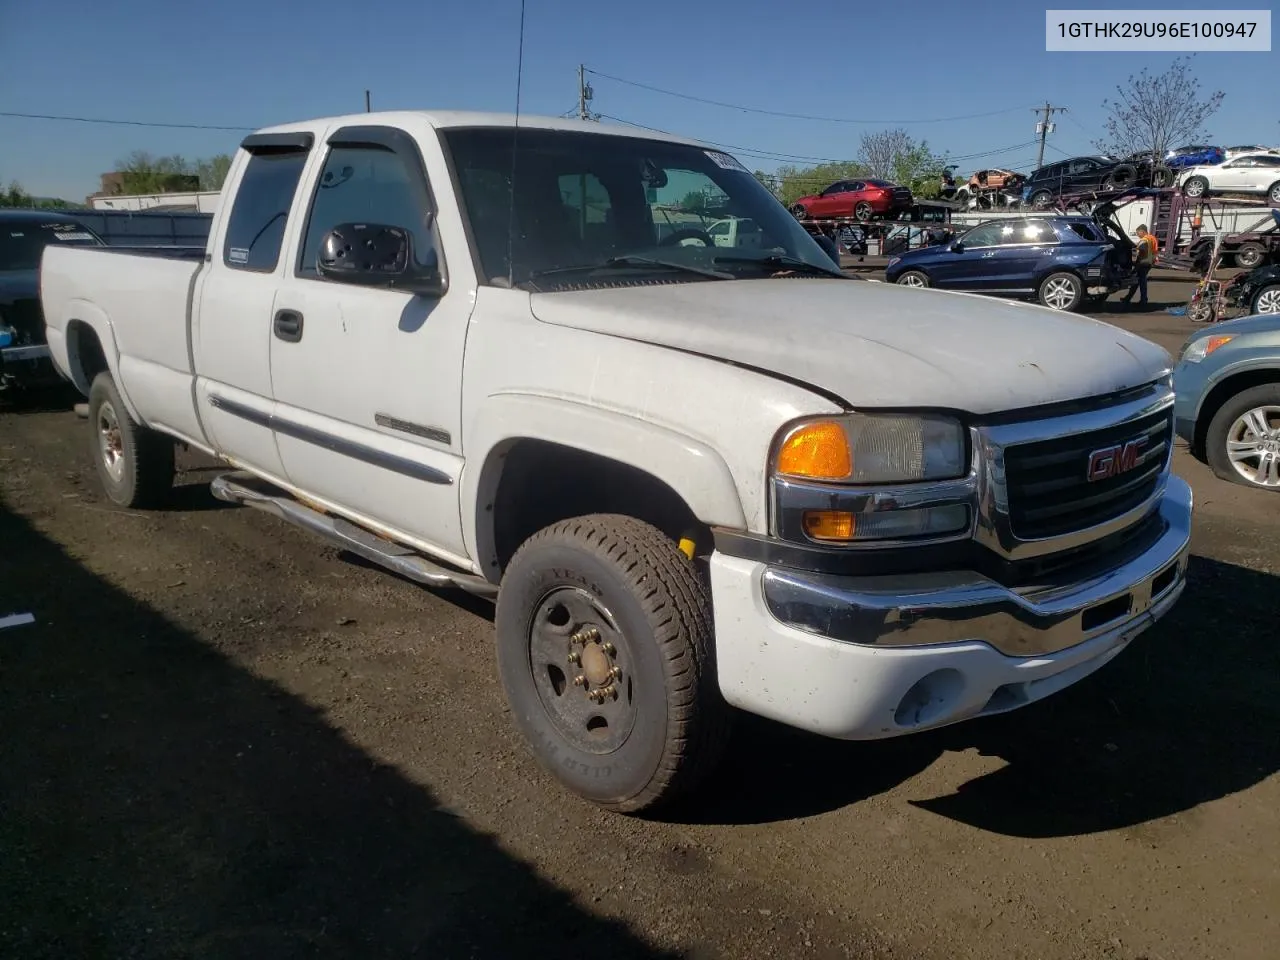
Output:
x,y
367,107
1044,127
585,94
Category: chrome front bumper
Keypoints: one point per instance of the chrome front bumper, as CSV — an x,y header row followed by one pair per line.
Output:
x,y
950,607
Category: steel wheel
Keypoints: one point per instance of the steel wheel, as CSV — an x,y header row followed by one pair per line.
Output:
x,y
579,658
1268,301
1253,446
110,441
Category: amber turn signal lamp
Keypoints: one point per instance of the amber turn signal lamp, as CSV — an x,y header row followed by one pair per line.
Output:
x,y
818,451
828,524
1214,343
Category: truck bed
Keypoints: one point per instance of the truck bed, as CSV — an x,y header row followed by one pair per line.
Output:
x,y
145,298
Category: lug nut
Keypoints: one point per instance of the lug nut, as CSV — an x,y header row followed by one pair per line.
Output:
x,y
608,648
579,681
575,656
590,634
609,691
615,673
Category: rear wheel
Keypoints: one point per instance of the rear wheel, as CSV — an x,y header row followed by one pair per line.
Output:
x,y
134,464
1040,199
605,651
1273,194
1061,291
1267,300
1161,176
1121,177
914,278
862,211
1242,443
799,212
1249,255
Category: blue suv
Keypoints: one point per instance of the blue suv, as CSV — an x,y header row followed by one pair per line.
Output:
x,y
1060,261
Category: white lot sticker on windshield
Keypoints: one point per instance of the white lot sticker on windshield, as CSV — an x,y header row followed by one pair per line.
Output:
x,y
73,236
724,161
238,255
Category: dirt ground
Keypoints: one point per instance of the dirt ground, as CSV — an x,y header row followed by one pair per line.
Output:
x,y
221,739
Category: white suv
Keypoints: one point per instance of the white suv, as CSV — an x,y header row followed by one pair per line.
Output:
x,y
1251,173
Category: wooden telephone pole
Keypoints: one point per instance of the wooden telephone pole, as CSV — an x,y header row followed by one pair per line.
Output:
x,y
1044,127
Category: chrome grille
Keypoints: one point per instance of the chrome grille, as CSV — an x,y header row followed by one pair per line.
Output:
x,y
1047,482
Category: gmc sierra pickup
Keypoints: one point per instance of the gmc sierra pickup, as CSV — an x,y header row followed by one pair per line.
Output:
x,y
695,477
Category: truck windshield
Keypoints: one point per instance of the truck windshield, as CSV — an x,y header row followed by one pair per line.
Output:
x,y
21,243
589,206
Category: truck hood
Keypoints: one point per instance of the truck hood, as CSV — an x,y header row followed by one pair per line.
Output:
x,y
875,344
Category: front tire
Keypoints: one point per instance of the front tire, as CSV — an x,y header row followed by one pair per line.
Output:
x,y
1267,300
606,654
1041,199
1061,291
134,464
1273,194
914,278
799,212
1195,188
1242,443
862,211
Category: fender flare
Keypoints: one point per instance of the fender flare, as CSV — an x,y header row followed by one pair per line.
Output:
x,y
84,313
695,471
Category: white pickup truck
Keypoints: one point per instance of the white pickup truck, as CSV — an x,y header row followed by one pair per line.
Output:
x,y
695,477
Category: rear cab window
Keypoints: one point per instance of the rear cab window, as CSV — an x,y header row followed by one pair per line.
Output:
x,y
260,211
21,243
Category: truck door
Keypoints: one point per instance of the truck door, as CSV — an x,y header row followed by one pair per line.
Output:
x,y
231,332
368,379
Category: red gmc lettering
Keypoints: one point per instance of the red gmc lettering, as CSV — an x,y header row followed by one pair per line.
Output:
x,y
1113,461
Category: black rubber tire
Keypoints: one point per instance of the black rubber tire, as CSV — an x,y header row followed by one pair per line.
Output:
x,y
914,273
1161,176
1077,286
1255,306
862,211
1122,177
663,609
1202,183
799,212
1249,255
1215,438
1040,199
147,456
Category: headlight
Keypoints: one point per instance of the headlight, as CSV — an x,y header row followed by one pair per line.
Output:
x,y
1197,350
883,448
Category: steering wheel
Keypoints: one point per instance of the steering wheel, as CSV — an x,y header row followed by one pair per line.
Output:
x,y
687,233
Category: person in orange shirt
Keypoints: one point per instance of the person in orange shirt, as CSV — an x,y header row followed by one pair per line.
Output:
x,y
1144,259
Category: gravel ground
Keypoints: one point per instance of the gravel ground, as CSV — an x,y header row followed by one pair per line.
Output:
x,y
222,739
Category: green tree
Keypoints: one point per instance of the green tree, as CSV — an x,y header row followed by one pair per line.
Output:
x,y
212,171
796,182
16,196
695,201
896,155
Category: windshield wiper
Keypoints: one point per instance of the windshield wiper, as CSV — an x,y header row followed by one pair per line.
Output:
x,y
631,260
778,262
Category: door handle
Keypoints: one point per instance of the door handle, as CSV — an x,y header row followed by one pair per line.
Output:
x,y
288,325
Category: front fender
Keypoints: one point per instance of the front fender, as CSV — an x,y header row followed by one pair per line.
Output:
x,y
692,469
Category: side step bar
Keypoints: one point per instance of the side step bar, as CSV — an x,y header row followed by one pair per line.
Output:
x,y
244,488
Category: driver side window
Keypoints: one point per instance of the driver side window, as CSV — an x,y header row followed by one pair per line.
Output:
x,y
365,184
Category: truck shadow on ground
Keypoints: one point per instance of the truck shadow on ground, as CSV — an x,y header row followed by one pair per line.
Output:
x,y
159,801
1188,714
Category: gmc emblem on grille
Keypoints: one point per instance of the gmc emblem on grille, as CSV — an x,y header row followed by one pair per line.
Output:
x,y
1113,461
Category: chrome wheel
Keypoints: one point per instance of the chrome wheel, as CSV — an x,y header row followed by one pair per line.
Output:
x,y
579,659
1059,293
1274,193
1253,446
110,441
1195,187
1268,301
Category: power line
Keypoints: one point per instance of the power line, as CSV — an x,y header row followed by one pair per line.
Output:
x,y
782,113
126,123
1044,126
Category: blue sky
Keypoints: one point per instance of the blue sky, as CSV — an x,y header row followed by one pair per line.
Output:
x,y
249,64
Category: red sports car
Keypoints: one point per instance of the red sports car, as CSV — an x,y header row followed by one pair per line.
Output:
x,y
862,199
